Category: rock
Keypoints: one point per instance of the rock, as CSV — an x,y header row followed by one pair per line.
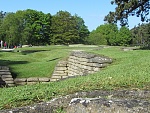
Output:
x,y
102,105
98,101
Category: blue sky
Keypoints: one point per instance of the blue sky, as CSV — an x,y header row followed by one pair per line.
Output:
x,y
92,11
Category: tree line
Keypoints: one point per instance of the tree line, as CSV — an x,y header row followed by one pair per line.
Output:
x,y
110,34
36,28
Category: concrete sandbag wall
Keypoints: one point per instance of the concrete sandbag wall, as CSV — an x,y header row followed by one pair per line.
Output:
x,y
60,71
31,80
6,78
79,63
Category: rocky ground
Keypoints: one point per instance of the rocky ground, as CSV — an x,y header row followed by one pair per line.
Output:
x,y
122,101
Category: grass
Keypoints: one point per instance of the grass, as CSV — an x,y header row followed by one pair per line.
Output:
x,y
130,70
32,62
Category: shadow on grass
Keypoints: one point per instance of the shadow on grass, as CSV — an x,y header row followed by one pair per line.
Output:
x,y
8,62
53,59
25,52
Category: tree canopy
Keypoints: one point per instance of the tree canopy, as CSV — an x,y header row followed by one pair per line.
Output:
x,y
109,34
36,28
126,8
141,35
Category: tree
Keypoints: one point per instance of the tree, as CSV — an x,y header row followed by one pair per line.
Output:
x,y
68,29
82,29
109,32
2,15
2,34
10,29
63,28
104,34
123,36
34,27
96,38
126,8
25,27
141,35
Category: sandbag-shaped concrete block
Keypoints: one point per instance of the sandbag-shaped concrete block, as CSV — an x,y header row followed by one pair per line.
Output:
x,y
6,76
44,79
9,82
20,83
8,79
32,79
20,80
62,64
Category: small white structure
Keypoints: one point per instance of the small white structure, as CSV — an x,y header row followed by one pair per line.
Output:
x,y
7,50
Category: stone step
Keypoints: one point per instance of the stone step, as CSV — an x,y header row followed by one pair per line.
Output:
x,y
6,78
32,79
64,77
53,80
4,70
56,77
17,80
60,68
5,73
44,79
59,74
10,85
9,82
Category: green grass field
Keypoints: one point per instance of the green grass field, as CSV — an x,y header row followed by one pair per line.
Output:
x,y
33,61
129,70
